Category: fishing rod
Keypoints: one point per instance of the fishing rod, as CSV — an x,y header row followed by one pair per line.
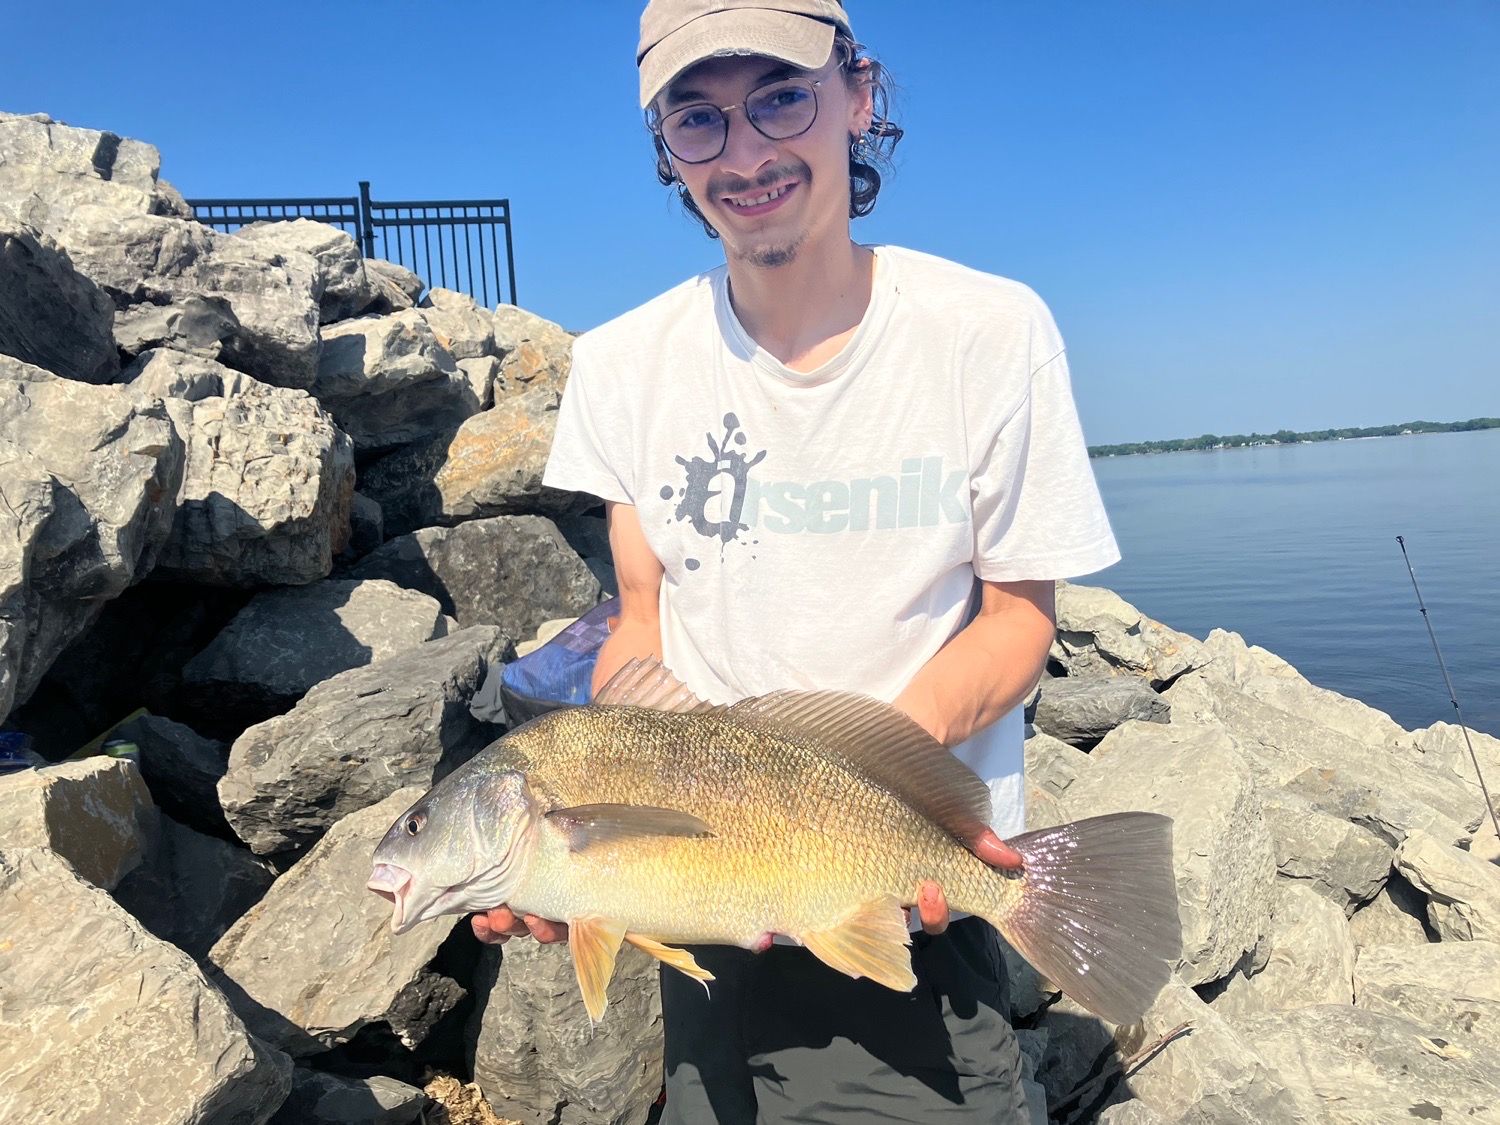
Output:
x,y
1452,695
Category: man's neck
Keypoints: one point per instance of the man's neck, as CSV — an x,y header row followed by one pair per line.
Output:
x,y
805,311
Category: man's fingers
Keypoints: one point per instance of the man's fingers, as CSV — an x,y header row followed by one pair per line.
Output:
x,y
932,906
997,853
545,930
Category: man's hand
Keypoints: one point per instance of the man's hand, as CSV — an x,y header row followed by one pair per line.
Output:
x,y
497,926
932,904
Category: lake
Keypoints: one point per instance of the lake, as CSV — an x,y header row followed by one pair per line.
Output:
x,y
1294,548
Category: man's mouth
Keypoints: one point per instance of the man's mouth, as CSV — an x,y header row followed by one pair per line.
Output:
x,y
761,201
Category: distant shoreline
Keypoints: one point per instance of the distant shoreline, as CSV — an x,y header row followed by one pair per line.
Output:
x,y
1288,437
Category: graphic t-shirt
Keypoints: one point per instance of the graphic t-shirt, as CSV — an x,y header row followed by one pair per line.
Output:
x,y
825,530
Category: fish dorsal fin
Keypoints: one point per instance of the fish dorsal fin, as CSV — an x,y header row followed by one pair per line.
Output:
x,y
647,683
587,825
886,746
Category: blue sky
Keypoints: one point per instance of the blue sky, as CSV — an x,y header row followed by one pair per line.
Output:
x,y
1244,215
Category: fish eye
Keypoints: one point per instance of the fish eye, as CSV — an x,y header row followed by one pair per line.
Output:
x,y
415,823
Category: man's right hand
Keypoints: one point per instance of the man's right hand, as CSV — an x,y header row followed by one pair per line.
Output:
x,y
497,926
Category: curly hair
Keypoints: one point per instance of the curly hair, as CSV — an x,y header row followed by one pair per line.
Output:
x,y
868,153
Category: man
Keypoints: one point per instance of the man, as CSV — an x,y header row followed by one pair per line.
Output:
x,y
827,465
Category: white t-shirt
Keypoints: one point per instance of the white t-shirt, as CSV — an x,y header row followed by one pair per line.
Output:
x,y
824,530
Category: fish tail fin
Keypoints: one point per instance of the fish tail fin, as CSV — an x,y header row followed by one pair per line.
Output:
x,y
1097,913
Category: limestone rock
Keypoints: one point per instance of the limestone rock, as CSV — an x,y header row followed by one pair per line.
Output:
x,y
95,813
315,960
344,287
1099,633
1452,987
100,1021
1082,710
1463,891
514,572
537,352
1447,745
464,329
181,768
48,169
399,287
1396,916
536,1058
1052,764
50,314
366,527
1132,1112
1310,957
326,1099
356,738
1343,862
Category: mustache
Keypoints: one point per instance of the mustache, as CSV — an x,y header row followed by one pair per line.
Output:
x,y
738,185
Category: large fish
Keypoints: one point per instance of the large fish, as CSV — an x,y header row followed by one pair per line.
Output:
x,y
651,818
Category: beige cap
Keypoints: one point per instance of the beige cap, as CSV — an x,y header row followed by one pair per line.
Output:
x,y
676,34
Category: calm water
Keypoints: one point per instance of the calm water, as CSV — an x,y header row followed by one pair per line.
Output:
x,y
1294,547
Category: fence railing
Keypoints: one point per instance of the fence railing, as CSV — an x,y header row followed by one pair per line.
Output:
x,y
449,243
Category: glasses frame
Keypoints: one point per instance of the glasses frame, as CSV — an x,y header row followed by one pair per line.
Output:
x,y
657,126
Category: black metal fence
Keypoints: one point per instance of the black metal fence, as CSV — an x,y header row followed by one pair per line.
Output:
x,y
449,243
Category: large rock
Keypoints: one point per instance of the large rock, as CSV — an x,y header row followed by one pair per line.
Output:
x,y
100,1021
355,739
1396,916
537,353
50,314
181,768
1366,1067
1448,746
460,325
344,287
1309,957
95,813
1343,862
1053,765
1081,710
315,960
326,1099
1463,891
535,1055
269,480
1220,847
492,466
90,477
48,169
514,572
285,641
1449,987
1099,633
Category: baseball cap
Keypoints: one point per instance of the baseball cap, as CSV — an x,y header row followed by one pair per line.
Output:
x,y
676,34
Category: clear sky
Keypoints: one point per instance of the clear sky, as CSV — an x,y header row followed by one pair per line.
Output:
x,y
1247,215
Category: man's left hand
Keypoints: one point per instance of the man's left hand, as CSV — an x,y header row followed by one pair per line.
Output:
x,y
932,904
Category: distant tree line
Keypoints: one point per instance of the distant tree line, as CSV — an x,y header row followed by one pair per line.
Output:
x,y
1289,437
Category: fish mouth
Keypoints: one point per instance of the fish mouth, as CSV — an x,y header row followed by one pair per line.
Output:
x,y
394,884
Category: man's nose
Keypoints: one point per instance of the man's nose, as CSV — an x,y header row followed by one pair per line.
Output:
x,y
746,148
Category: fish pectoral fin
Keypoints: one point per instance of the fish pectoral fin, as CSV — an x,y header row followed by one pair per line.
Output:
x,y
595,942
871,942
586,825
647,683
679,959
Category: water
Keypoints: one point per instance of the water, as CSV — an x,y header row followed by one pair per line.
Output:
x,y
1294,548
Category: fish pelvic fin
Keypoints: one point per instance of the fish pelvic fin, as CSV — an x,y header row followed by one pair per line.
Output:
x,y
679,959
872,941
594,942
1097,914
587,825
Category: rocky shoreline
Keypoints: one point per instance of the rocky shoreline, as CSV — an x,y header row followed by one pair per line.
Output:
x,y
273,513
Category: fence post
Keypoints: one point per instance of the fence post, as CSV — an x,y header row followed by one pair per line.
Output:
x,y
366,225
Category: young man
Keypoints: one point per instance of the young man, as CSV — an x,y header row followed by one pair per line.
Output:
x,y
828,465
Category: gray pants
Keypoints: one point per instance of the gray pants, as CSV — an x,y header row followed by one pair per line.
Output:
x,y
783,1038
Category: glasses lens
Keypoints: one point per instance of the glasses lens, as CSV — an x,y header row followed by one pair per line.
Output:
x,y
783,109
694,133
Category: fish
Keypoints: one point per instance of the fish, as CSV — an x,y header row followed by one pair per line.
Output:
x,y
652,818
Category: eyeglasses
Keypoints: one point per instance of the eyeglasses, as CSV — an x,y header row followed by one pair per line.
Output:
x,y
697,133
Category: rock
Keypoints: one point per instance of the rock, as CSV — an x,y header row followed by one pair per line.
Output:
x,y
326,1099
399,287
51,315
1052,764
1343,862
537,353
388,382
181,768
1099,633
1081,711
1366,1067
1133,1112
1396,916
95,813
1220,846
167,373
514,572
1463,891
481,373
269,480
48,169
366,527
462,328
1310,957
356,738
1452,987
491,466
536,1058
1447,745
191,887
285,641
90,477
100,1021
315,960
344,288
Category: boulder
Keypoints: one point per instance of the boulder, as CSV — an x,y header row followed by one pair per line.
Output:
x,y
1051,764
1221,849
1343,862
344,288
356,738
1309,957
315,960
285,641
1132,1112
1396,916
48,169
327,1099
482,373
366,528
95,813
399,287
462,328
537,353
90,477
191,887
1365,1067
1463,891
1447,746
51,315
1082,710
181,768
100,1021
1099,633
1451,987
514,572
536,1057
